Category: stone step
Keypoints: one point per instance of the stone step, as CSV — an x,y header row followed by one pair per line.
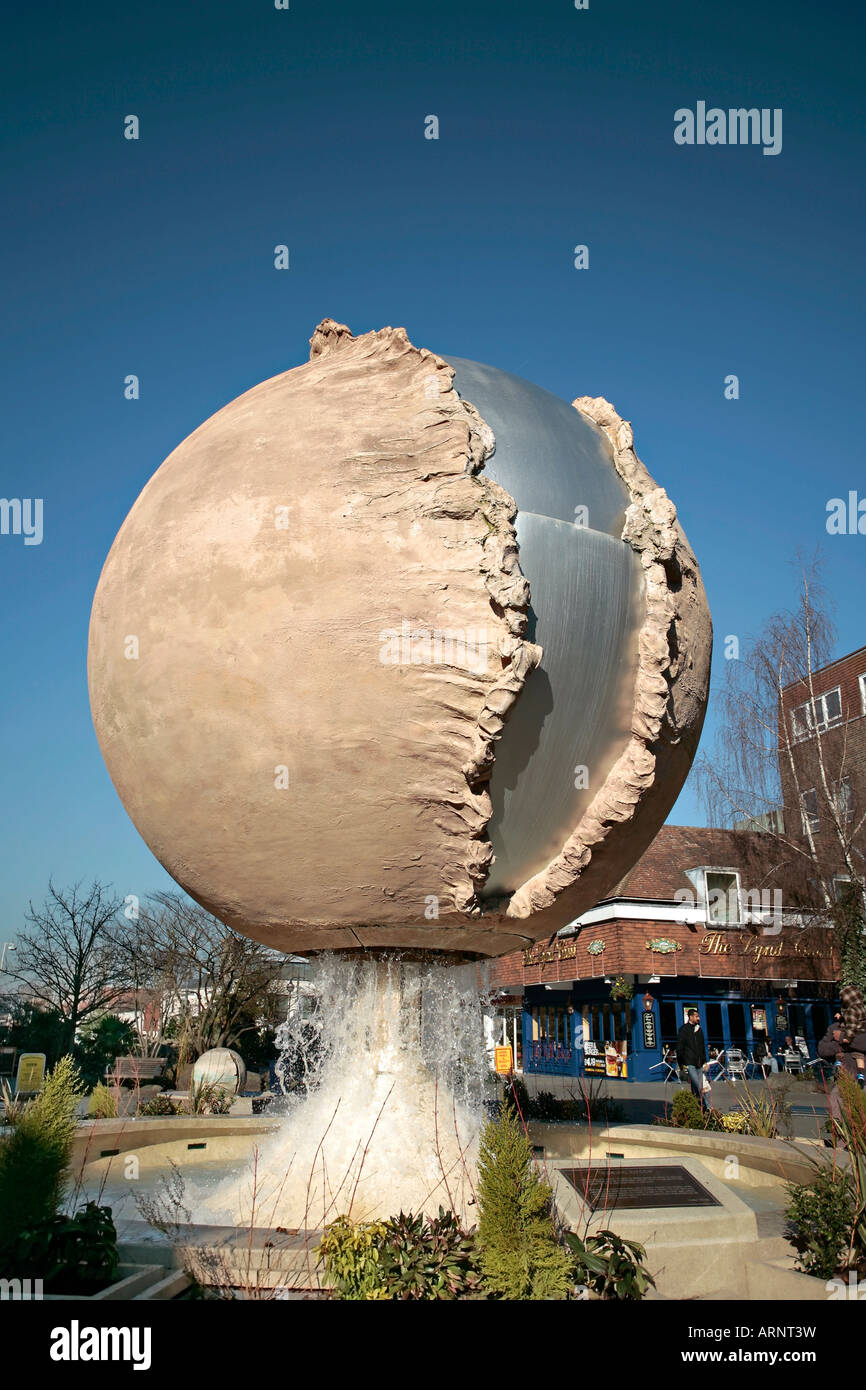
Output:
x,y
134,1284
132,1280
174,1283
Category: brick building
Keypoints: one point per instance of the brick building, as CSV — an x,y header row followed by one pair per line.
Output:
x,y
702,920
823,763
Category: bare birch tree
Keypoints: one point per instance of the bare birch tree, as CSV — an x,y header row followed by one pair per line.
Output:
x,y
779,767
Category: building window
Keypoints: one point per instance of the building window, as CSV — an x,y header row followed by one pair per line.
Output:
x,y
863,693
605,1022
843,799
723,896
818,714
550,1024
811,819
668,1019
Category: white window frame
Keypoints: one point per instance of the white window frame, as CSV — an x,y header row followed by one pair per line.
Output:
x,y
862,680
814,818
735,875
847,800
810,720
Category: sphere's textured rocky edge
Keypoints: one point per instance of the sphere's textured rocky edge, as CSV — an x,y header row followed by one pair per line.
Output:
x,y
296,780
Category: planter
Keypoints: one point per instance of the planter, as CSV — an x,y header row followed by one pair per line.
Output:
x,y
144,1282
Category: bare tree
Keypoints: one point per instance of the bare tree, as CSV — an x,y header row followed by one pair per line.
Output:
x,y
777,767
193,972
67,957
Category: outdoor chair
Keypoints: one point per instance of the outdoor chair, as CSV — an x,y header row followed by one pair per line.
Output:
x,y
819,1068
669,1069
736,1062
717,1061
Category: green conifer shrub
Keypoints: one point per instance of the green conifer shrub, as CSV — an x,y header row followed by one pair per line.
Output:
x,y
35,1157
103,1103
519,1253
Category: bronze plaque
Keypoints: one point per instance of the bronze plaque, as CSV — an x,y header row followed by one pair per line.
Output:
x,y
655,1185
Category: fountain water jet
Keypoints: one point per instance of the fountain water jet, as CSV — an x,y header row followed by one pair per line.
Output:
x,y
390,1106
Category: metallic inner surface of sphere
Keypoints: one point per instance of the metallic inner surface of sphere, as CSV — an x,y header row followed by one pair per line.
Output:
x,y
585,613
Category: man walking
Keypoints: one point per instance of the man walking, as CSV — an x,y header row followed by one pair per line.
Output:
x,y
692,1053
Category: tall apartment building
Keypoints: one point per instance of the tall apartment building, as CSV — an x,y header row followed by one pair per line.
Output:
x,y
823,762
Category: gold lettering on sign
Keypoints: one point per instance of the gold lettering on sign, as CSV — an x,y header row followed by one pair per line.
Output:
x,y
744,944
538,955
714,945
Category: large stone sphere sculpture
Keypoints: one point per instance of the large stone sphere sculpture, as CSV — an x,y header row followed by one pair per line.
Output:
x,y
396,651
222,1068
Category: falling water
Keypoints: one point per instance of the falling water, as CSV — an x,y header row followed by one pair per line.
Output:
x,y
389,1108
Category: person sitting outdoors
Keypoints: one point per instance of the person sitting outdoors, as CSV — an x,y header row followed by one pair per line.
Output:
x,y
763,1054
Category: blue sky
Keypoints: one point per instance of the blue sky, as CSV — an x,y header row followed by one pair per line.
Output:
x,y
306,127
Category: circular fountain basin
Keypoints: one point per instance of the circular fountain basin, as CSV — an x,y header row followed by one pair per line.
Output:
x,y
206,1149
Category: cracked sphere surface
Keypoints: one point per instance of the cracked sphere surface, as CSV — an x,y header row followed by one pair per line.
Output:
x,y
399,651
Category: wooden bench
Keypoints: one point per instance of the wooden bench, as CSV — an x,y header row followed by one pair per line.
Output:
x,y
139,1070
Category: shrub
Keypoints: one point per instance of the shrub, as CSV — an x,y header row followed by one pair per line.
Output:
x,y
35,1157
589,1105
351,1253
548,1108
686,1112
33,1029
161,1105
13,1106
851,1126
71,1254
622,989
765,1114
756,1114
429,1260
206,1098
517,1095
102,1041
850,931
405,1257
609,1265
103,1103
821,1216
519,1253
852,1119
735,1122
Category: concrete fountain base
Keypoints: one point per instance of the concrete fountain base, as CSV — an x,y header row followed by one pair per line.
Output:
x,y
734,1251
254,1261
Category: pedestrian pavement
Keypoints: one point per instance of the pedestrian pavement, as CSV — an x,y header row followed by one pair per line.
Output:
x,y
644,1101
